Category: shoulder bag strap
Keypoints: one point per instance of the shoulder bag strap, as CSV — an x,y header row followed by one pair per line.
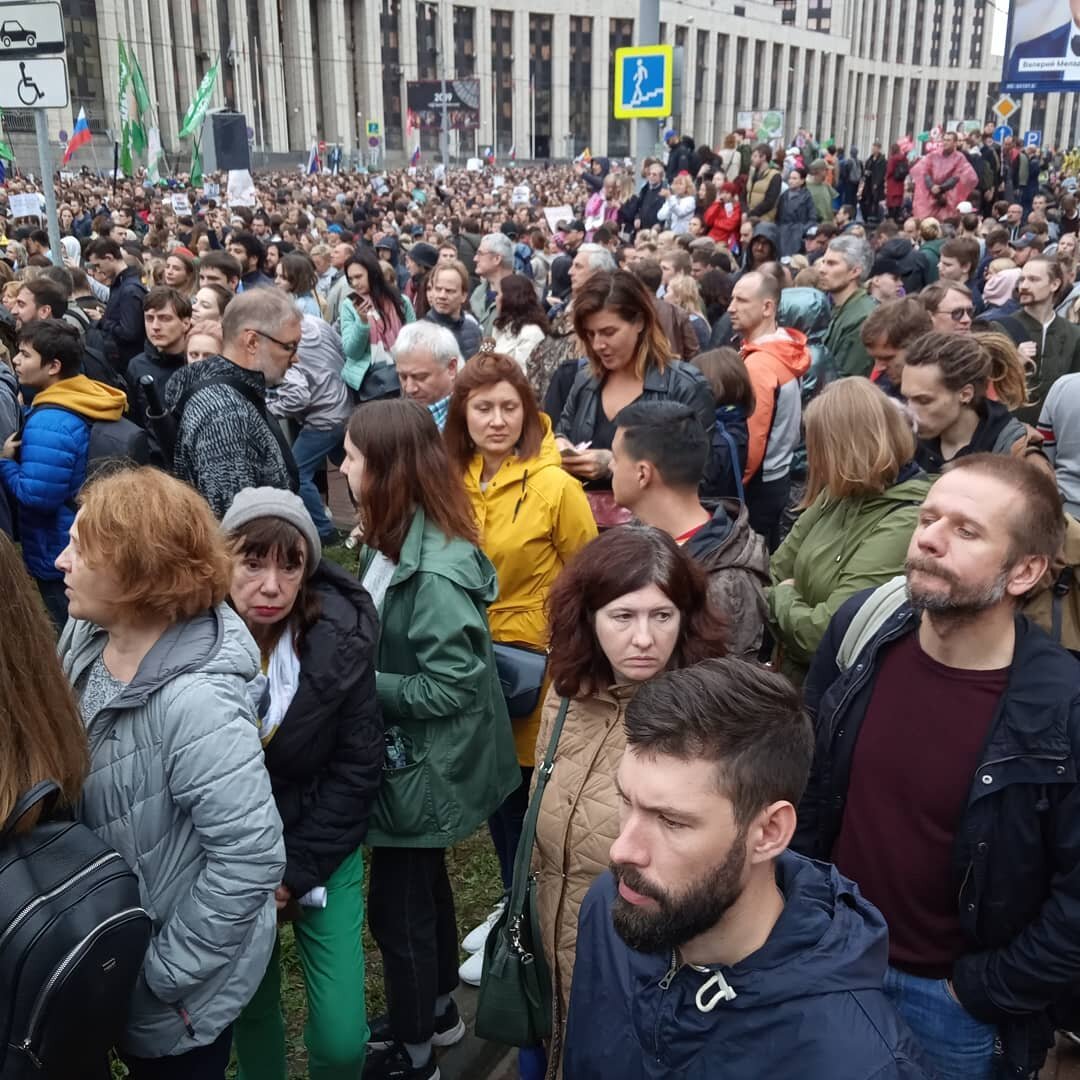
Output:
x,y
259,403
523,858
27,801
733,451
875,611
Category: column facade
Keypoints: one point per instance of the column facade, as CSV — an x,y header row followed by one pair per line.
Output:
x,y
299,75
560,83
601,90
275,117
338,121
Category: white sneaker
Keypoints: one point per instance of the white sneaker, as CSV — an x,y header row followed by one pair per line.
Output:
x,y
472,969
475,938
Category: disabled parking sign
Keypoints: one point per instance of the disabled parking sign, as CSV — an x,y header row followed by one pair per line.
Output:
x,y
643,81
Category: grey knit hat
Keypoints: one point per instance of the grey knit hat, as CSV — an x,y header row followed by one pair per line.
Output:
x,y
267,502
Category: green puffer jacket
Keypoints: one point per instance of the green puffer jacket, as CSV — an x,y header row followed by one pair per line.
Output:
x,y
436,681
836,548
843,339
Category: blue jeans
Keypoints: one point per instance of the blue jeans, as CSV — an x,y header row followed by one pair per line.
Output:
x,y
957,1046
310,449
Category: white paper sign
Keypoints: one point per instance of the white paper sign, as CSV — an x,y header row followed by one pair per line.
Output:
x,y
241,188
212,191
497,182
474,164
181,206
554,214
24,205
520,195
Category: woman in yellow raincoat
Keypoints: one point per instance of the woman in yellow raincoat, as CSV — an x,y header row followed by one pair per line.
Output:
x,y
533,517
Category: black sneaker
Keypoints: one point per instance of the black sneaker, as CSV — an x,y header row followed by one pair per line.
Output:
x,y
449,1029
394,1063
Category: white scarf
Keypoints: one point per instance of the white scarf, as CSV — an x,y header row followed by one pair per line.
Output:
x,y
283,672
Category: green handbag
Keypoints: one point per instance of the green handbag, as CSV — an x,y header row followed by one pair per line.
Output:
x,y
514,1006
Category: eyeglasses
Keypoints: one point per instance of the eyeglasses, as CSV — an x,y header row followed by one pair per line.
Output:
x,y
960,313
290,347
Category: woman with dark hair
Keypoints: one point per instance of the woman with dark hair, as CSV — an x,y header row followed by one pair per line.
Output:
x,y
372,315
631,605
450,760
520,323
733,394
629,360
276,250
322,738
715,288
296,275
533,518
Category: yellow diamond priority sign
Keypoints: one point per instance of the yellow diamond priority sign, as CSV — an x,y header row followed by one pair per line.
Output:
x,y
1004,107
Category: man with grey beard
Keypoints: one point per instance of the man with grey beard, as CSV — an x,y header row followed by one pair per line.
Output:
x,y
945,773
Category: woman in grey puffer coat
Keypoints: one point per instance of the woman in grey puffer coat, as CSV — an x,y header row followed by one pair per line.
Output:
x,y
161,668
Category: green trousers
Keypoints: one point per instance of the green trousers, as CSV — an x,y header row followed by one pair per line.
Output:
x,y
329,942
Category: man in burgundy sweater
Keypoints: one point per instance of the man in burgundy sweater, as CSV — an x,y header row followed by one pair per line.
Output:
x,y
945,775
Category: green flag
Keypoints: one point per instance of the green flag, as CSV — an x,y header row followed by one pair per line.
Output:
x,y
125,150
138,84
193,118
125,78
6,153
196,177
138,136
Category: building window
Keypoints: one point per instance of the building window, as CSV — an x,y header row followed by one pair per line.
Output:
x,y
620,36
393,116
759,65
741,45
502,70
912,106
464,41
84,66
579,135
917,36
936,33
978,25
956,36
427,59
720,119
951,89
971,103
774,85
540,32
819,16
902,29
789,81
1038,115
700,75
929,118
838,81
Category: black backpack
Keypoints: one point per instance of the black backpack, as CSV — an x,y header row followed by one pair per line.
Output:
x,y
112,442
72,945
900,172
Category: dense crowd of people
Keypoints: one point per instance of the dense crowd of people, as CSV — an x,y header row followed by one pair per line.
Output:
x,y
713,546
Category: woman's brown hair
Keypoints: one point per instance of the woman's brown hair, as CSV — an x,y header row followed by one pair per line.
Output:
x,y
41,732
857,441
623,293
618,562
406,468
160,541
725,372
487,369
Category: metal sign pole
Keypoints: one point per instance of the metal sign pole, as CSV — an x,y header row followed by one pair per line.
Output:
x,y
41,126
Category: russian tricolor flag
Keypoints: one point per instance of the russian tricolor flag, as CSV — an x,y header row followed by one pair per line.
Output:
x,y
314,165
79,137
415,159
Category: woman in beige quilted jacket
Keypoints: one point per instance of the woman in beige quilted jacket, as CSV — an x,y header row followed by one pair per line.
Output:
x,y
630,605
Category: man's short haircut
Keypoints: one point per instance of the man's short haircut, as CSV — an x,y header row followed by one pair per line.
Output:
x,y
744,719
80,281
897,322
163,296
55,340
596,257
103,247
1053,267
964,250
456,267
855,252
267,310
649,273
500,244
426,336
765,150
228,264
1037,522
766,286
251,244
40,236
669,436
997,236
61,277
932,295
45,291
680,261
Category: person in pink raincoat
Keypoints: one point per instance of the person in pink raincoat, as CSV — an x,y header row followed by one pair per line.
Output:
x,y
942,180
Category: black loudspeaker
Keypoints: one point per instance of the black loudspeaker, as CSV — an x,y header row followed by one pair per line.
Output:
x,y
225,142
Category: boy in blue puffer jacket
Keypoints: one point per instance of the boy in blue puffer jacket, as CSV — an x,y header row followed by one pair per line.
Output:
x,y
43,469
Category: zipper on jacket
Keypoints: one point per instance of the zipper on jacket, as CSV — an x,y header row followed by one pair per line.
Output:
x,y
62,969
666,981
25,913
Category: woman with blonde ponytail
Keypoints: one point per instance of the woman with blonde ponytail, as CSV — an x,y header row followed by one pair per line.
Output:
x,y
946,382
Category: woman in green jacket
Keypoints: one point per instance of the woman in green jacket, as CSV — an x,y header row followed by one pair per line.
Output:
x,y
861,505
450,758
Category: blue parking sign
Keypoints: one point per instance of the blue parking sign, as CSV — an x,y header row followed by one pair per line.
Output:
x,y
1033,138
643,81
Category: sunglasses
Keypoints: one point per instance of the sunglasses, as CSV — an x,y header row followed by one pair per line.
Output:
x,y
959,314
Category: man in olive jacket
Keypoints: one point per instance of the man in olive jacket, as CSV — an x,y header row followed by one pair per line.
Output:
x,y
842,270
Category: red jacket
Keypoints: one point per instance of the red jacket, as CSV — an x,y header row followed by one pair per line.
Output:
x,y
723,227
894,189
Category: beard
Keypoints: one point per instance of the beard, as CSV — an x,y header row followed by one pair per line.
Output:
x,y
680,918
962,601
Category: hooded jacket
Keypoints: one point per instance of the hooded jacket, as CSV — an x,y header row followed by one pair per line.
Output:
x,y
325,759
737,562
795,213
596,182
775,367
223,444
161,366
533,518
997,433
122,322
807,1005
916,271
312,392
836,548
844,340
52,465
771,233
178,787
680,158
437,685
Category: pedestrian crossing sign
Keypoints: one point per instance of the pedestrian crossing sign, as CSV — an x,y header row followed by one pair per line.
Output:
x,y
643,80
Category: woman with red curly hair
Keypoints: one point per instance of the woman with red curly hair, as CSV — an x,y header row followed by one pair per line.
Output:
x,y
161,668
630,605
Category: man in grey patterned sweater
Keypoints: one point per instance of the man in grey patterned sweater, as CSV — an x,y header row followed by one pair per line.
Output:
x,y
225,440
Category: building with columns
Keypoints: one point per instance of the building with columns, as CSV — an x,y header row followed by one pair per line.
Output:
x,y
300,70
